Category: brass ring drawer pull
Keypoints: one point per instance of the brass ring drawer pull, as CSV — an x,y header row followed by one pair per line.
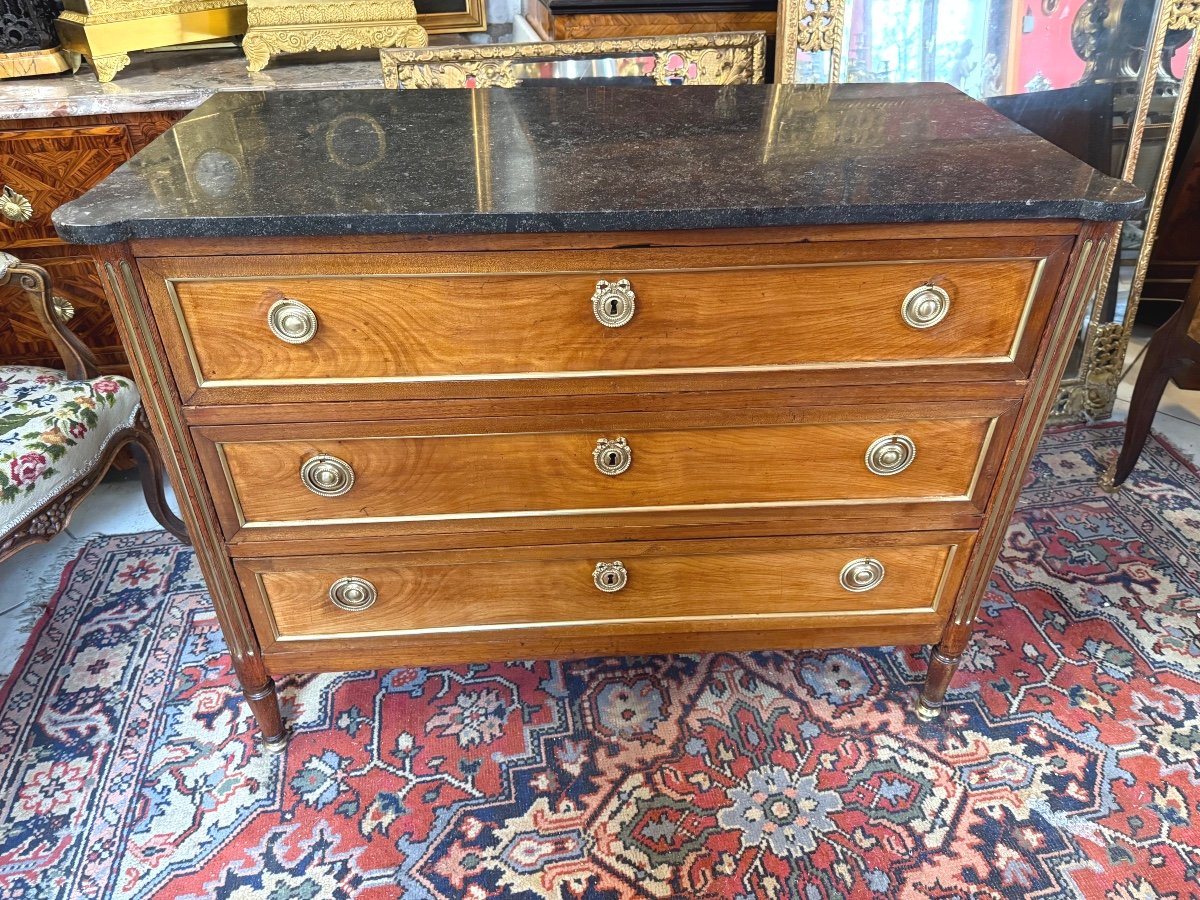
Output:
x,y
327,476
925,306
612,457
613,304
610,576
15,207
860,575
352,594
292,321
891,454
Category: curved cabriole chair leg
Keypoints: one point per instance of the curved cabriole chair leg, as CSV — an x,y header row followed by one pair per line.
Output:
x,y
150,469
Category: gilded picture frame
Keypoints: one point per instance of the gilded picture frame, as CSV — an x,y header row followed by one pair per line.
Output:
x,y
735,57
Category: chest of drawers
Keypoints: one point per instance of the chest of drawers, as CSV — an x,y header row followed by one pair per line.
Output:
x,y
752,408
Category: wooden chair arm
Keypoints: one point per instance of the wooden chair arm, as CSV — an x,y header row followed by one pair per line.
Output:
x,y
77,359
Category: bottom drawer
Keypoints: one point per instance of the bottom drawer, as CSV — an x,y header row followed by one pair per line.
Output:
x,y
739,584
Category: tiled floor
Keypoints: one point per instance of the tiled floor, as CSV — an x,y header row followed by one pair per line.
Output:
x,y
28,579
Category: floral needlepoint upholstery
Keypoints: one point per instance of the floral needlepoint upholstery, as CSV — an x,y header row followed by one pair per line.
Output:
x,y
52,432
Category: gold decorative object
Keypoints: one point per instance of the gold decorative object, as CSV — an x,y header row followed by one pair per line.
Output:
x,y
292,321
610,576
811,26
925,306
352,594
860,575
612,457
294,26
106,31
735,57
1183,15
614,304
327,476
15,207
30,63
891,454
63,308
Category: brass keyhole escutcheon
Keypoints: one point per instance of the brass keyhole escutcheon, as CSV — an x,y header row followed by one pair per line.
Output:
x,y
612,457
613,303
610,576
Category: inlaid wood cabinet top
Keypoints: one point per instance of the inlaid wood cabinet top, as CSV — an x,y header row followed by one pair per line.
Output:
x,y
585,159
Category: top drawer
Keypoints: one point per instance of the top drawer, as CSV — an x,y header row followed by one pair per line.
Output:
x,y
379,326
41,169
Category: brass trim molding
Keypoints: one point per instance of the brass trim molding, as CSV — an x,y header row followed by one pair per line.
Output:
x,y
203,381
235,497
735,57
933,606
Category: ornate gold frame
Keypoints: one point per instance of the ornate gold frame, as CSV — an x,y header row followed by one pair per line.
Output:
x,y
1090,393
735,57
813,26
293,26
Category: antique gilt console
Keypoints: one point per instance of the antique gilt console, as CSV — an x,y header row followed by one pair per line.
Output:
x,y
649,371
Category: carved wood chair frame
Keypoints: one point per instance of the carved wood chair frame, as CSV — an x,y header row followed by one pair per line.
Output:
x,y
46,521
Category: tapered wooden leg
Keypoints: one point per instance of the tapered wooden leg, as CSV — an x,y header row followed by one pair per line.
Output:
x,y
150,470
941,672
943,663
1147,392
264,703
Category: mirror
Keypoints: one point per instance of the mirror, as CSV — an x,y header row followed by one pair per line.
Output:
x,y
1106,80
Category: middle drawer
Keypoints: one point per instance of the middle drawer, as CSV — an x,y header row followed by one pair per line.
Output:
x,y
358,478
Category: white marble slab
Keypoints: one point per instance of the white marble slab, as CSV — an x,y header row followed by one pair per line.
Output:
x,y
181,79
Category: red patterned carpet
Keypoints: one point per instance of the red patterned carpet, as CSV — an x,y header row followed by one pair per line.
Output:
x,y
1067,765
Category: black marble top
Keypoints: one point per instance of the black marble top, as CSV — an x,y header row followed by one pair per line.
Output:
x,y
570,157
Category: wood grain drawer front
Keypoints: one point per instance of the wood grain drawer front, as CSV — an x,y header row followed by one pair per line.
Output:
x,y
46,168
512,475
449,325
767,584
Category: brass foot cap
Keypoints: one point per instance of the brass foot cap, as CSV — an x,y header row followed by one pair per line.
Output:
x,y
276,744
1108,480
925,712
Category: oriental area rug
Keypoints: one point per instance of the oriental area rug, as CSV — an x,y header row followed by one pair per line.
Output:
x,y
1067,763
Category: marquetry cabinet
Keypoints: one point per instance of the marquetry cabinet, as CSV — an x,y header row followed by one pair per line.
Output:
x,y
43,164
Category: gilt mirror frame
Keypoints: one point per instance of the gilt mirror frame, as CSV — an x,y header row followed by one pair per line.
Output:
x,y
815,31
734,57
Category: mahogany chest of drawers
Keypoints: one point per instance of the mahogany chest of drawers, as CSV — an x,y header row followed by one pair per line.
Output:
x,y
775,385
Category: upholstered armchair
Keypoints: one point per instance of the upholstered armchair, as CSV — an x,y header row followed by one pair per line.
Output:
x,y
61,430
